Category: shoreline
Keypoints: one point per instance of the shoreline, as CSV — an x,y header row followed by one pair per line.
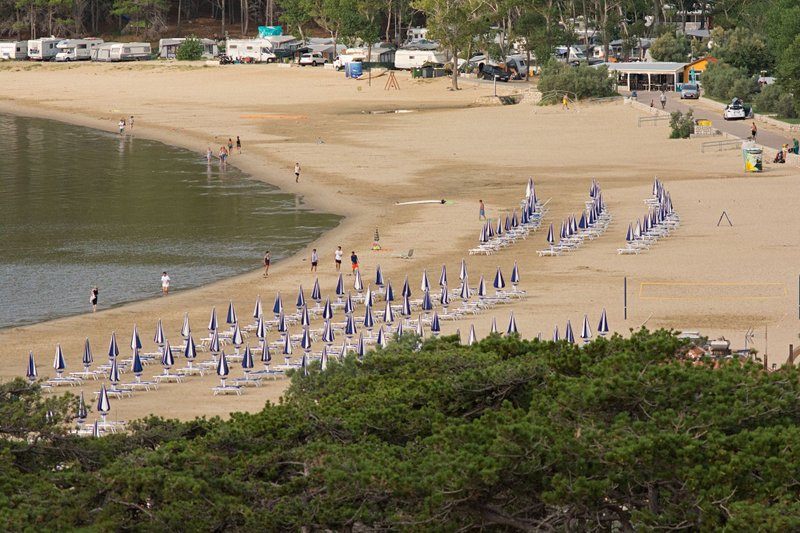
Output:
x,y
367,162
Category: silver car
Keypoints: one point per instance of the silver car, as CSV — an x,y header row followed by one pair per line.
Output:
x,y
690,90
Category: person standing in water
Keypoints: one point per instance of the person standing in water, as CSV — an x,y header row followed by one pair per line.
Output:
x,y
238,144
209,155
131,122
165,283
93,299
297,172
266,263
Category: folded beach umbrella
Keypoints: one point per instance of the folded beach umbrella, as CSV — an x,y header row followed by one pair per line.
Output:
x,y
435,326
82,412
378,276
323,359
213,346
388,314
482,287
231,318
443,276
277,307
427,303
87,358
31,372
96,433
382,341
348,304
113,348
389,292
483,236
512,326
514,219
637,230
266,356
556,336
282,328
158,338
212,323
489,229
369,320
563,232
586,331
167,359
287,344
629,235
361,346
493,329
583,223
426,284
568,335
301,299
305,318
136,342
406,289
515,275
499,282
185,328
304,364
472,339
137,368
190,351
406,309
343,350
357,284
258,309
350,328
465,293
602,328
508,223
237,339
327,333
499,230
444,296
340,287
368,296
103,405
113,373
58,361
305,340
327,311
222,367
261,329
525,217
247,360
399,330
463,271
420,330
550,236
316,293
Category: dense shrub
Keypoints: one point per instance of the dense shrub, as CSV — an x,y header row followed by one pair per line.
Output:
x,y
682,125
579,82
741,48
725,82
773,99
671,47
190,50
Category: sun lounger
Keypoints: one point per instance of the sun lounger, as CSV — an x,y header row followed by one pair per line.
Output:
x,y
227,389
407,255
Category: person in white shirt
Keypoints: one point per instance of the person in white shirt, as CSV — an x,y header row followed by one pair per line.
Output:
x,y
338,258
314,260
165,283
297,172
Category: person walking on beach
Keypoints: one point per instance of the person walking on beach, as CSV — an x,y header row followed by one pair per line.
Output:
x,y
481,211
238,144
266,263
354,261
663,99
209,155
565,102
165,283
297,172
754,131
121,126
337,258
93,299
230,146
314,260
223,156
131,122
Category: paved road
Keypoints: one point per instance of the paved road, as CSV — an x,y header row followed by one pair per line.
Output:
x,y
767,135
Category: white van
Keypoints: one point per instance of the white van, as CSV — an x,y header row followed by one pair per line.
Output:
x,y
250,50
77,49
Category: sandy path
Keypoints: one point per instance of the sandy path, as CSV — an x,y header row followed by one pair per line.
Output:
x,y
359,164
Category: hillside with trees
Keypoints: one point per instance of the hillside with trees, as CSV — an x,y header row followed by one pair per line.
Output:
x,y
505,435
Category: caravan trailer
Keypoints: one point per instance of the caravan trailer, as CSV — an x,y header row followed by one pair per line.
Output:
x,y
168,48
43,49
13,50
418,54
121,52
250,50
77,49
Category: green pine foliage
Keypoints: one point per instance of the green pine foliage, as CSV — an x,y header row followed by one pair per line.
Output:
x,y
578,82
190,50
508,434
681,126
671,47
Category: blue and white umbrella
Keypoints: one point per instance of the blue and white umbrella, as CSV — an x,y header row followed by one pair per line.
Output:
x,y
357,284
231,318
629,234
103,405
316,293
350,328
369,320
551,236
465,293
304,364
420,330
514,219
287,345
82,411
137,368
382,341
602,328
323,359
515,275
348,304
327,333
361,346
427,302
305,340
266,356
482,287
493,329
222,368
443,276
305,318
113,373
568,335
158,338
435,326
247,360
463,271
406,288
113,348
340,287
399,330
444,296
378,276
87,358
58,361
389,292
213,346
261,328
190,351
237,339
277,307
282,327
472,339
586,331
31,372
388,313
301,298
426,284
212,322
167,359
529,188
258,310
368,296
185,328
512,326
556,336
96,433
406,309
499,230
136,342
327,311
499,282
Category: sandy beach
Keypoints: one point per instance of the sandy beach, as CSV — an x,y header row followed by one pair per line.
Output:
x,y
719,280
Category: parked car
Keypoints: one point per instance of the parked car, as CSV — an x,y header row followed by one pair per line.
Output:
x,y
690,91
489,72
313,59
736,110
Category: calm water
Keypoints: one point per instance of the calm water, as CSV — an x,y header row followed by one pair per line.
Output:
x,y
80,207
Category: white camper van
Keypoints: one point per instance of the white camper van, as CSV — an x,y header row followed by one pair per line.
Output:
x,y
418,54
250,50
13,50
121,52
43,49
77,49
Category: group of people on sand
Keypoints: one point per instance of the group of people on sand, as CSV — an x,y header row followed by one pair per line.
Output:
x,y
224,151
337,260
122,124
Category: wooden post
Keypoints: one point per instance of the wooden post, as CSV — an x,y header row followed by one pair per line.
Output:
x,y
625,297
791,355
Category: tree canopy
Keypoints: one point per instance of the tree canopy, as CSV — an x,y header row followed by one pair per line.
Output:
x,y
506,434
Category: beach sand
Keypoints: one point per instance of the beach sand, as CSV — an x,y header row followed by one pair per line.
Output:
x,y
720,280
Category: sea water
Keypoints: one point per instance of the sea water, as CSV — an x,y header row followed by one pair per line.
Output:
x,y
81,208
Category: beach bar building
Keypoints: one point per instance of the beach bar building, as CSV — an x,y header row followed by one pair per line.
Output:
x,y
641,76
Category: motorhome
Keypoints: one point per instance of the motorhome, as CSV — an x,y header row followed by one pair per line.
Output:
x,y
569,54
250,50
122,52
13,50
168,48
43,49
77,49
418,54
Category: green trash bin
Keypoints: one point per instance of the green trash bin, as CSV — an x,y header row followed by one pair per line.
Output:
x,y
415,72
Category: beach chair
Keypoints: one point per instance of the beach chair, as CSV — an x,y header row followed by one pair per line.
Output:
x,y
407,255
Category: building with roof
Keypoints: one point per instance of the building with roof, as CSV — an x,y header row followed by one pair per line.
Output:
x,y
645,76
